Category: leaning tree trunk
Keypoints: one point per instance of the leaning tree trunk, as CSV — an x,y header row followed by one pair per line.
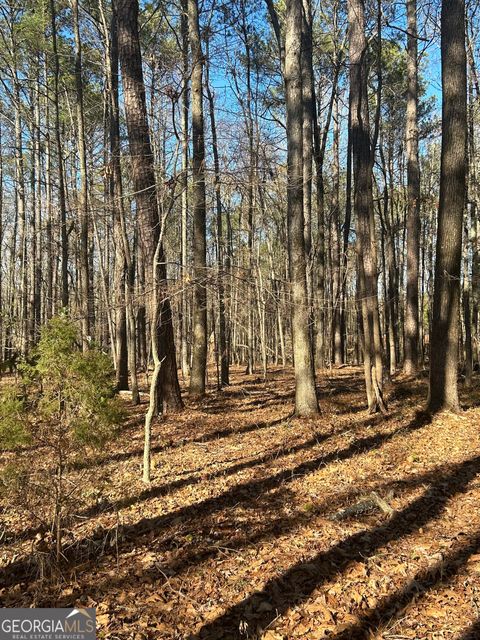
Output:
x,y
143,178
443,392
305,394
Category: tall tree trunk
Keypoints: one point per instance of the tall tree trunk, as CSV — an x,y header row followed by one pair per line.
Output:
x,y
473,193
467,318
346,230
143,178
199,347
337,346
61,179
246,104
391,292
305,393
320,262
410,364
20,209
49,306
36,213
443,392
319,147
184,181
222,324
2,323
308,114
85,298
123,272
363,206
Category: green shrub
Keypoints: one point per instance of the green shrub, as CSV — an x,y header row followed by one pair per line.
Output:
x,y
64,406
14,430
77,388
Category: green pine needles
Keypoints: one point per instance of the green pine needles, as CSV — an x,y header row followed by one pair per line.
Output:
x,y
63,403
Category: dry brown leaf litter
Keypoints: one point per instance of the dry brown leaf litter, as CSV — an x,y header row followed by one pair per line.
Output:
x,y
235,537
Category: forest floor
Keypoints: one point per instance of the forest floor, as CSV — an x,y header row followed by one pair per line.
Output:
x,y
241,533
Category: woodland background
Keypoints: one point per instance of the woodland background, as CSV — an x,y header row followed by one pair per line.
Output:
x,y
239,316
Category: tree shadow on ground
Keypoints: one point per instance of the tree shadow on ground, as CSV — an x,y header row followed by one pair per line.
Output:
x,y
392,606
162,490
244,492
296,585
181,442
106,506
472,632
347,385
264,396
211,537
249,401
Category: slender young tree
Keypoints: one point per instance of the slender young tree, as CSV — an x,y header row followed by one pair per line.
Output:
x,y
319,148
443,390
247,108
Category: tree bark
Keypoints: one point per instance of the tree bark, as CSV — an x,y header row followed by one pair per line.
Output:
x,y
86,302
126,356
199,346
222,322
410,364
443,392
184,360
305,393
143,178
61,179
308,111
363,206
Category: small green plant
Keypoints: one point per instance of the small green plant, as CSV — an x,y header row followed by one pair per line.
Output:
x,y
12,426
63,406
